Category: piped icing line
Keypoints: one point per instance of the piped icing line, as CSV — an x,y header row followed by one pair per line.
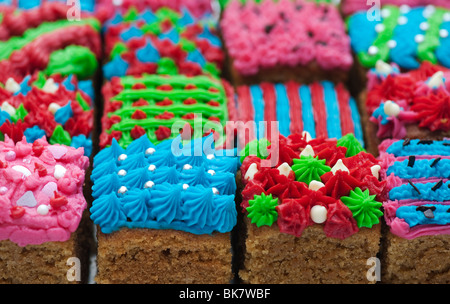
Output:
x,y
156,187
246,114
319,110
295,105
351,6
312,108
155,105
406,37
418,187
41,191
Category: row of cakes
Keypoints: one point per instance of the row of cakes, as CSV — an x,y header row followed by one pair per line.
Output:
x,y
311,188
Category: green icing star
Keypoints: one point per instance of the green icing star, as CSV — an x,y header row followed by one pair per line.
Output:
x,y
261,210
351,143
309,168
60,136
366,210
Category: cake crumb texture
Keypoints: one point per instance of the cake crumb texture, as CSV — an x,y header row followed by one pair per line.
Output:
x,y
142,256
275,258
423,260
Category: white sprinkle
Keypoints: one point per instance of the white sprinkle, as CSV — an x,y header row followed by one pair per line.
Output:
x,y
151,168
306,135
187,167
284,169
446,17
383,67
42,209
385,12
402,20
53,107
404,8
315,185
122,190
212,172
22,170
308,151
375,169
392,44
215,191
12,86
122,172
210,156
443,33
6,107
419,38
318,214
149,184
50,86
122,157
59,171
339,166
380,27
373,50
424,26
185,186
251,171
391,108
150,151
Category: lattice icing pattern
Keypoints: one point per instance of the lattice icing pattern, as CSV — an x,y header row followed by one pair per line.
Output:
x,y
189,187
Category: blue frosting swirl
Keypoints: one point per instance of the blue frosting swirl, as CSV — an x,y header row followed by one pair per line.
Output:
x,y
428,214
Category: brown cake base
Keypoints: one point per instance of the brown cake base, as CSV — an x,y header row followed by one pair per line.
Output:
x,y
49,263
272,257
145,256
280,74
424,260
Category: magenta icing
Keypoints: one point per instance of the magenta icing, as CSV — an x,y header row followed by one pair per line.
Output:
x,y
352,6
286,33
28,182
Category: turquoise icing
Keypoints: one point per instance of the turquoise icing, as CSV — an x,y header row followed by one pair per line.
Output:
x,y
186,18
407,191
212,38
116,67
81,141
309,124
422,168
283,109
87,87
34,133
68,84
357,126
258,106
24,86
196,57
441,51
148,53
379,113
4,116
130,33
415,147
172,35
148,16
332,105
437,214
63,114
192,193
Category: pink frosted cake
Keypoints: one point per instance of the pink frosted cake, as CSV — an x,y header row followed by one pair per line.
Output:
x,y
41,190
280,40
416,210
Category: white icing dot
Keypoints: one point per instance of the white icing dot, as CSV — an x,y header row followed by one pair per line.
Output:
x,y
122,172
375,169
424,26
443,33
151,168
185,186
149,184
3,190
122,190
122,157
251,171
308,151
402,20
59,171
187,167
10,156
42,209
22,170
50,86
446,17
212,172
385,13
339,166
150,151
53,108
392,44
428,11
404,8
315,185
419,38
215,191
210,156
12,86
6,107
284,169
391,108
380,27
306,135
318,214
383,67
436,80
373,50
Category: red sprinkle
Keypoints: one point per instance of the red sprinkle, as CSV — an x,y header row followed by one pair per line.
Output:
x,y
17,212
40,169
58,201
